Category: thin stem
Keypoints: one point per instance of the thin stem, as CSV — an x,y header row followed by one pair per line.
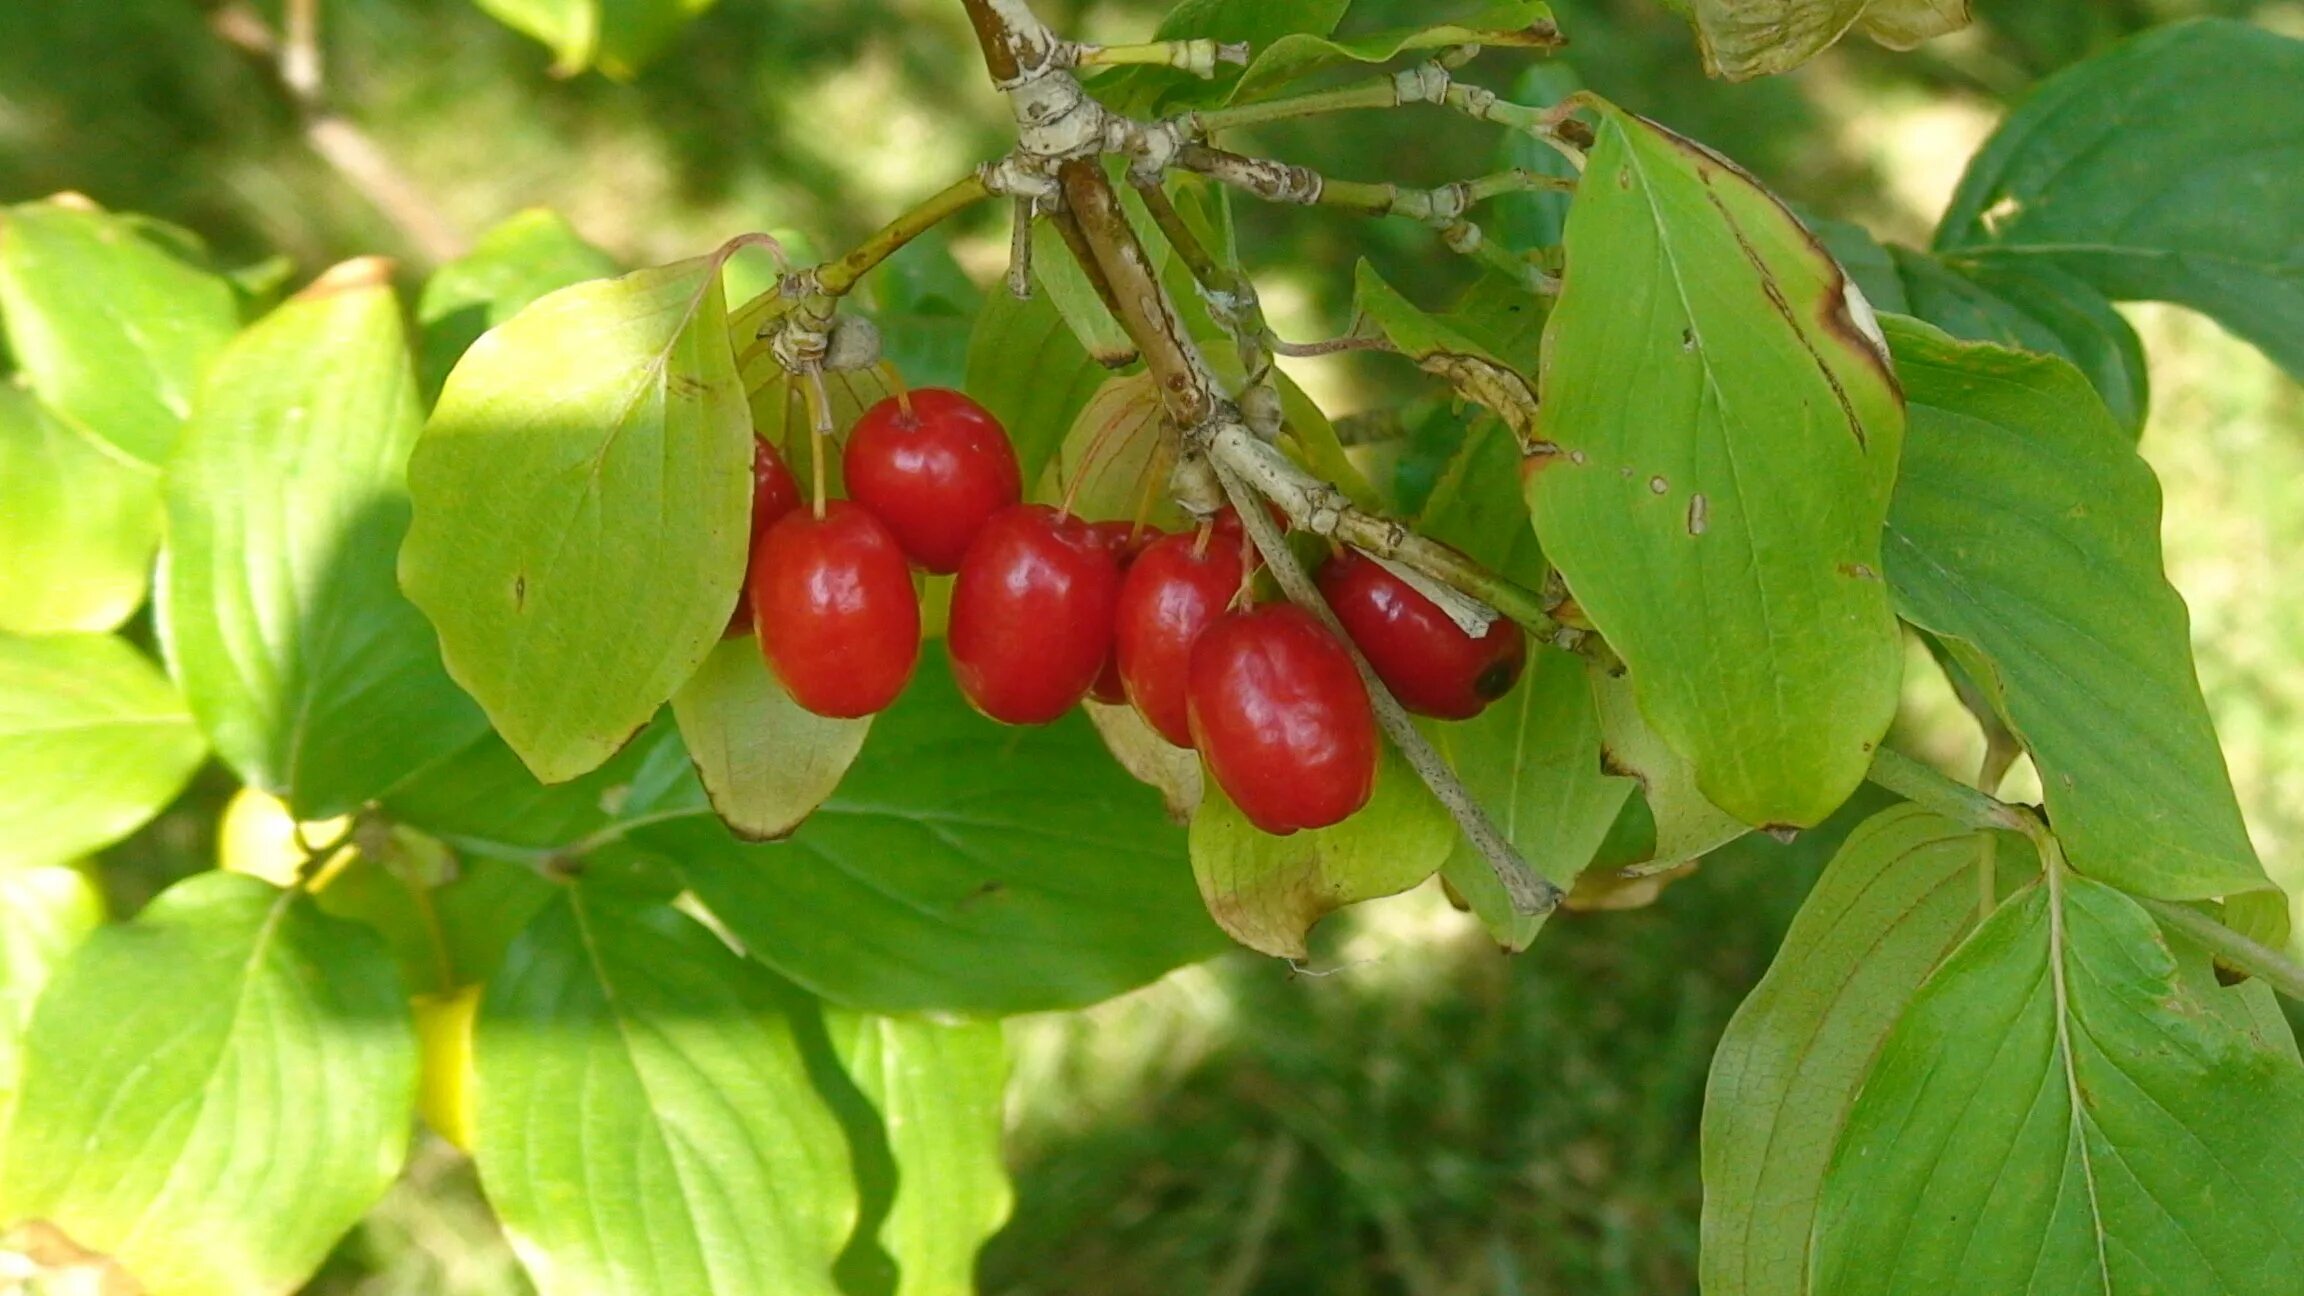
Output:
x,y
1440,202
1371,94
1422,84
819,427
894,378
1924,786
1198,56
2269,965
836,278
1332,346
1441,207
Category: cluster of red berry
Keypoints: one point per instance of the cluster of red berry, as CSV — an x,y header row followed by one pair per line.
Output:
x,y
1048,609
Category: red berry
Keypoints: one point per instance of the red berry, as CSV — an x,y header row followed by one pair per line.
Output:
x,y
934,475
1170,595
1279,713
838,620
1126,540
775,492
1032,614
1423,656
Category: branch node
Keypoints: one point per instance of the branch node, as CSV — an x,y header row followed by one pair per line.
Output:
x,y
1426,83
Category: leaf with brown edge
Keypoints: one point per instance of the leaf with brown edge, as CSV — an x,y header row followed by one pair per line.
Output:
x,y
1727,431
1440,348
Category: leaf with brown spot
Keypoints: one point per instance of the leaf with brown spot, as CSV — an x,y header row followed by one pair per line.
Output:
x,y
1754,658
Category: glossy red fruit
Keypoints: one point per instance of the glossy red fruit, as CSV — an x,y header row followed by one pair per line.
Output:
x,y
1173,591
1031,616
775,492
1426,659
935,476
1126,540
1279,712
832,597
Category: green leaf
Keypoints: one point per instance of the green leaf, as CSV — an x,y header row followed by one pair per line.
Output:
x,y
1028,369
1267,891
1742,39
80,528
1068,288
1684,824
2093,174
1532,760
44,915
112,327
617,36
447,919
1148,757
2058,1111
93,742
2027,529
2033,308
961,867
1900,894
1491,369
1726,436
214,1092
643,1121
1503,24
938,1089
765,762
483,800
1477,506
1116,445
533,253
312,675
608,429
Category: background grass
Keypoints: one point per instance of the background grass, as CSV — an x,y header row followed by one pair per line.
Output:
x,y
1425,1116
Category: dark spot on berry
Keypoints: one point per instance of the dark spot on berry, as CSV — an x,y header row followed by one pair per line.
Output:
x,y
1497,680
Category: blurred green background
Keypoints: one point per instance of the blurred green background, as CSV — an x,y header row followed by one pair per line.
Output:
x,y
1420,1116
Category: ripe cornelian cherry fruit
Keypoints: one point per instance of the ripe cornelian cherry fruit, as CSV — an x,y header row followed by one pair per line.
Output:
x,y
1279,713
775,492
1031,618
933,476
838,621
1174,590
1422,655
1126,540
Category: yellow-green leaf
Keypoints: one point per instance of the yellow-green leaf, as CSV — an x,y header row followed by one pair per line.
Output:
x,y
582,499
